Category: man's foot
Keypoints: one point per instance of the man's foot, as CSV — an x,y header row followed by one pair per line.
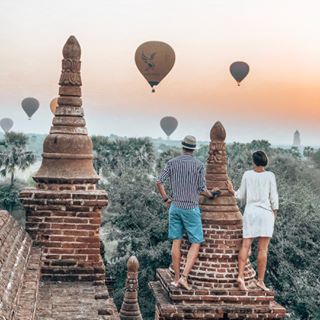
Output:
x,y
183,281
261,285
241,284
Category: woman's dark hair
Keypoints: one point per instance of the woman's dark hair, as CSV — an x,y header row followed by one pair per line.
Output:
x,y
260,158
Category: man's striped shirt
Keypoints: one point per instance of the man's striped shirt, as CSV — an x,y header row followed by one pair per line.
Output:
x,y
187,180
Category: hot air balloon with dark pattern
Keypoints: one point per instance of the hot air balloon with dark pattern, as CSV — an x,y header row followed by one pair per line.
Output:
x,y
239,70
154,59
168,125
30,106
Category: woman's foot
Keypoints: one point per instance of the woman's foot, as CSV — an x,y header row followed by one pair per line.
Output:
x,y
241,284
175,283
261,285
183,281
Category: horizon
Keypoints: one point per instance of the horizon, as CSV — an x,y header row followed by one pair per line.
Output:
x,y
280,94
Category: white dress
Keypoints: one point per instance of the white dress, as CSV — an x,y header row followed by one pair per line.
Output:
x,y
259,191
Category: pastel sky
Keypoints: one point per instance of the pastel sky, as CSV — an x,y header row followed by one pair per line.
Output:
x,y
279,39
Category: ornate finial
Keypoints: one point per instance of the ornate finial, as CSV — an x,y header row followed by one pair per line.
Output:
x,y
130,309
70,75
218,132
72,49
133,264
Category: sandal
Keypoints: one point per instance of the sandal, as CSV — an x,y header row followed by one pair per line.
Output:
x,y
241,284
261,285
183,281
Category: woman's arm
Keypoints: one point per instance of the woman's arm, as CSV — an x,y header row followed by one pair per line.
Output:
x,y
241,192
274,197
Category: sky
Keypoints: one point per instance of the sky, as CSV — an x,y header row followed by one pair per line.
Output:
x,y
279,39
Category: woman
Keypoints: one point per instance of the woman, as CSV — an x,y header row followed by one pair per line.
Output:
x,y
259,191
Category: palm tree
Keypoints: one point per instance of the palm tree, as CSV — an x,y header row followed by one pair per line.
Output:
x,y
13,155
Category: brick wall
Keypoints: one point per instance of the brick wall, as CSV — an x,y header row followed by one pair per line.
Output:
x,y
65,220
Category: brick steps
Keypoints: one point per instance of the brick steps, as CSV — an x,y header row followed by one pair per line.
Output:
x,y
29,291
19,271
166,309
254,296
81,300
14,254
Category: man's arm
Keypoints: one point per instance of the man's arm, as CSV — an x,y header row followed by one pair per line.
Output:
x,y
163,193
215,192
161,189
203,188
163,176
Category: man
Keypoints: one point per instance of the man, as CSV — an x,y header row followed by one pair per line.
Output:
x,y
187,181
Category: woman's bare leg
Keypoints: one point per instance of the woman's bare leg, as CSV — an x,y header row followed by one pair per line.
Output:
x,y
242,260
262,260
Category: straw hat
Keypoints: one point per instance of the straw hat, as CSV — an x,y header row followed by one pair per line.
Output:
x,y
189,142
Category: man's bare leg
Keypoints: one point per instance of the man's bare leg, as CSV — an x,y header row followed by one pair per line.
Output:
x,y
191,259
176,257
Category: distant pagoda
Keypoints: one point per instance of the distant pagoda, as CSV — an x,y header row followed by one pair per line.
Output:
x,y
296,139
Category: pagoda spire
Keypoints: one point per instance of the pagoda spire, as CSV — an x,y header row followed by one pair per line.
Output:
x,y
130,309
67,150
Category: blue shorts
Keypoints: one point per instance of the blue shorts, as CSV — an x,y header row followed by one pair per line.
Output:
x,y
185,221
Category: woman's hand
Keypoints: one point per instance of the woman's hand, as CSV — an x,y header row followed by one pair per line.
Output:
x,y
230,187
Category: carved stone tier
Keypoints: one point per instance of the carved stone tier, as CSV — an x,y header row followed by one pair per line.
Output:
x,y
215,294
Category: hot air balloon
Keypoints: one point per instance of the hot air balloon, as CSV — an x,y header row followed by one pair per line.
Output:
x,y
6,124
168,125
53,105
30,106
154,59
239,70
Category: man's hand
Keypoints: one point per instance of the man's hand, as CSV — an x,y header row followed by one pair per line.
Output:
x,y
215,189
208,194
168,203
215,192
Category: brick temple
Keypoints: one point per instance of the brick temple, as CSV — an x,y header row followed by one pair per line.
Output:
x,y
215,294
